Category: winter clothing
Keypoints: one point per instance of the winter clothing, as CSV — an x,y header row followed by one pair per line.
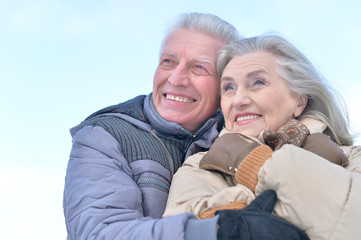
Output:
x,y
316,195
245,224
318,143
294,132
120,169
247,171
238,152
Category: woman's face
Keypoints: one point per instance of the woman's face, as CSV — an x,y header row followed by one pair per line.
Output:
x,y
254,97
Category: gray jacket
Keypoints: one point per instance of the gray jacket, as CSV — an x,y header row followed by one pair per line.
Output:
x,y
116,189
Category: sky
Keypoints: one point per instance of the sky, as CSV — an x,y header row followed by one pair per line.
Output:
x,y
62,60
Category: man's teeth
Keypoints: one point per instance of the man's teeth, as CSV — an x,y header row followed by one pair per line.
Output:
x,y
247,117
178,99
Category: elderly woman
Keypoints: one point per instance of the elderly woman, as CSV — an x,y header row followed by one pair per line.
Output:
x,y
284,131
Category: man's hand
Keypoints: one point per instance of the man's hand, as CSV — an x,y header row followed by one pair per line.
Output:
x,y
256,222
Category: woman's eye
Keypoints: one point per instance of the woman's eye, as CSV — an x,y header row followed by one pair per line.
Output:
x,y
227,87
259,82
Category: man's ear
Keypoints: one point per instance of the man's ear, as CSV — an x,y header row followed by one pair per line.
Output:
x,y
301,105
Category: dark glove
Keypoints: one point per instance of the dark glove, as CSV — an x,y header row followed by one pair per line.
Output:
x,y
293,132
227,152
256,222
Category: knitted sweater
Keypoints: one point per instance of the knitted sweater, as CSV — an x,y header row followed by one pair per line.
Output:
x,y
120,169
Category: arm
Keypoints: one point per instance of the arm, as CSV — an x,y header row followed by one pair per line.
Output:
x,y
316,195
101,199
196,190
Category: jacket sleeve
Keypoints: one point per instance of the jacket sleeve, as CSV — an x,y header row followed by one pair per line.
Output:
x,y
101,200
196,190
320,197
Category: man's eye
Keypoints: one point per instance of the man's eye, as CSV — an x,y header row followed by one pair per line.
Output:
x,y
167,60
200,70
200,67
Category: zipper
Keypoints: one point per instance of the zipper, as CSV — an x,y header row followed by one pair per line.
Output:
x,y
153,182
189,144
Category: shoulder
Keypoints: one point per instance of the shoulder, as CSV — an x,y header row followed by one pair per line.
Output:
x,y
314,125
354,155
132,110
132,107
316,181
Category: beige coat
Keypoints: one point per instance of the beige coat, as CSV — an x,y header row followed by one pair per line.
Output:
x,y
320,197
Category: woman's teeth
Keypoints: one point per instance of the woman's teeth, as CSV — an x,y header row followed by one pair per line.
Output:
x,y
247,117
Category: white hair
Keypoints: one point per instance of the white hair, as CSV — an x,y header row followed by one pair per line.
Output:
x,y
324,102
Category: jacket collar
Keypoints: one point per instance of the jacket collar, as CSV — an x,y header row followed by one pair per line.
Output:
x,y
164,127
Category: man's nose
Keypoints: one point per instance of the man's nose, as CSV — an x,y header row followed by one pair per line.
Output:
x,y
180,76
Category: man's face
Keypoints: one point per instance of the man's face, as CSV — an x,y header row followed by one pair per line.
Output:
x,y
186,85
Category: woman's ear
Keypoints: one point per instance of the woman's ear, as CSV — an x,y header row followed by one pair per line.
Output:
x,y
301,105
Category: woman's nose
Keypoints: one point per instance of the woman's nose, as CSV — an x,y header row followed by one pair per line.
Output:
x,y
241,99
180,76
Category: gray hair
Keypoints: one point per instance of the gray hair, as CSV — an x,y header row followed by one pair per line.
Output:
x,y
324,102
204,23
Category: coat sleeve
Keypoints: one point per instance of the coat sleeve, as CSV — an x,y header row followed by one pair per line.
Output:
x,y
320,197
101,200
196,190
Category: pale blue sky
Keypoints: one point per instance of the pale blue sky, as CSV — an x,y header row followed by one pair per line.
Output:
x,y
62,60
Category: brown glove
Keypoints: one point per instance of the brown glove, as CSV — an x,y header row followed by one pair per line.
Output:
x,y
318,143
231,206
293,132
323,146
227,152
247,171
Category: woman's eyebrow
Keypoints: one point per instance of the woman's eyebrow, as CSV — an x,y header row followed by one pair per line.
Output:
x,y
254,73
227,79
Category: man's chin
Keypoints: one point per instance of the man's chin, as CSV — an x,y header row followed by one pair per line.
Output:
x,y
175,117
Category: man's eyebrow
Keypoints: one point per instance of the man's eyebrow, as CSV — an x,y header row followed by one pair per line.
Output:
x,y
193,59
202,60
210,66
169,53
